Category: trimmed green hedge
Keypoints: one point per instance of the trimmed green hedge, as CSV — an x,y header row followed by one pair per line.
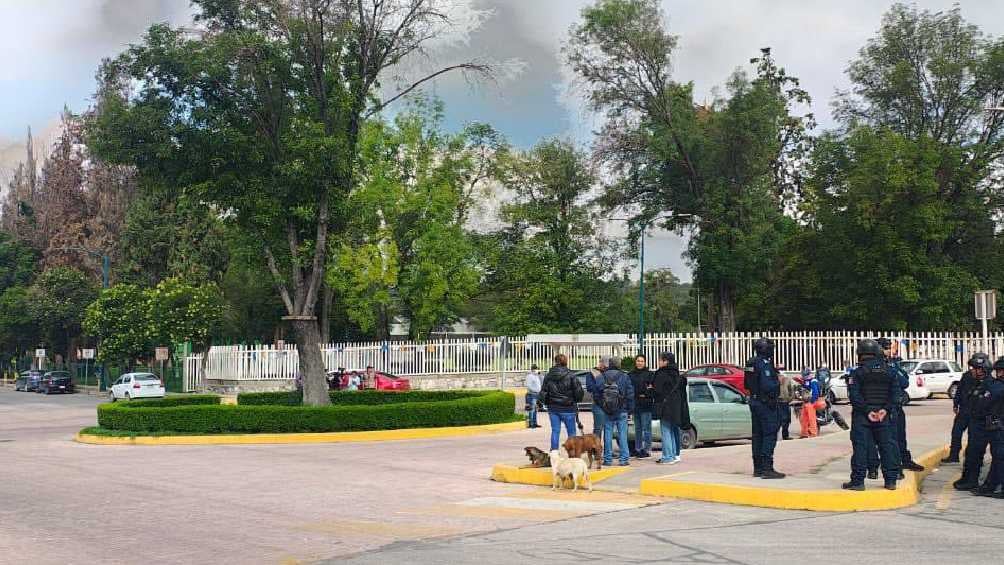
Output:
x,y
179,400
357,397
483,408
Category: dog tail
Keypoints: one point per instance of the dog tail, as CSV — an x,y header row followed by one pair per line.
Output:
x,y
578,423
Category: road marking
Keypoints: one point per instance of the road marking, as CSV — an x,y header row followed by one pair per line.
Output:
x,y
946,495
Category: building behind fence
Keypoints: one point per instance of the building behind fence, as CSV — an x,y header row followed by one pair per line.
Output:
x,y
503,355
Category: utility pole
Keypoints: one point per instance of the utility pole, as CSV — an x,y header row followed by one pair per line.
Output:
x,y
641,293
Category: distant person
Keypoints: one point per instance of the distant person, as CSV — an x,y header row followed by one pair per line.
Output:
x,y
644,397
594,384
671,407
562,393
981,411
993,407
807,418
617,401
370,381
788,400
354,382
760,378
979,367
534,382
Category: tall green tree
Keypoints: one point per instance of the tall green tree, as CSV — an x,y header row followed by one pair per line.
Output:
x,y
120,319
724,169
59,297
260,114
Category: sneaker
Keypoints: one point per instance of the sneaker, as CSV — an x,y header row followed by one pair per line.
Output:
x,y
608,463
964,485
625,464
673,461
911,466
644,455
851,485
872,474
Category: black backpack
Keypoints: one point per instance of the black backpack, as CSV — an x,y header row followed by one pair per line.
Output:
x,y
612,401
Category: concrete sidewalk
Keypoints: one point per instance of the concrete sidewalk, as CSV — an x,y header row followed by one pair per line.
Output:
x,y
816,468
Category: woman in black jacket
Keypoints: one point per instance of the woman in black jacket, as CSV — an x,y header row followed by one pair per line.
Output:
x,y
561,392
671,407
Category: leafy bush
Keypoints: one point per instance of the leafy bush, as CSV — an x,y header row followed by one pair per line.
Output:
x,y
180,400
474,409
361,397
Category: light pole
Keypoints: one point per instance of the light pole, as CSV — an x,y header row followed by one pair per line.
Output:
x,y
644,223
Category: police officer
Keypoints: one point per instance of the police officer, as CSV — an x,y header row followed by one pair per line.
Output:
x,y
873,393
761,380
979,367
979,402
993,398
890,350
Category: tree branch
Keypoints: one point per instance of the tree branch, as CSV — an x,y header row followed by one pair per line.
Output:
x,y
274,269
484,69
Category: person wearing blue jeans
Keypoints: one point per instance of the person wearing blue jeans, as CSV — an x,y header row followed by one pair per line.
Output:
x,y
644,390
561,392
594,384
534,381
671,407
616,397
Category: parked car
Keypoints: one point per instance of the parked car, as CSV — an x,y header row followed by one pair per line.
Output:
x,y
384,381
933,376
136,385
920,385
718,411
28,380
56,381
731,374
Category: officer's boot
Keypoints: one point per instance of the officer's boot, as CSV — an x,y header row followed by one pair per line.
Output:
x,y
757,466
967,482
768,470
873,474
986,489
853,485
953,457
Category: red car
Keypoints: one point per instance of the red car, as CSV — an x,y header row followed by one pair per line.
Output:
x,y
384,381
731,374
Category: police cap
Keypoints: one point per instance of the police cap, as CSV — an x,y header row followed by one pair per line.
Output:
x,y
869,347
764,347
980,361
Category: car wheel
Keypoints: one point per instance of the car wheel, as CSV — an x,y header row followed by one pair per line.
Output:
x,y
689,438
952,390
111,396
127,397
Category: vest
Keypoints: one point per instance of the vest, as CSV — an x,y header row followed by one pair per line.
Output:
x,y
875,382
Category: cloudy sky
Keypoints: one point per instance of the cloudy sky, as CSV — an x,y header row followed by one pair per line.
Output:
x,y
50,50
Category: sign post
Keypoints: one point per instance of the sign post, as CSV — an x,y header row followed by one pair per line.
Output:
x,y
86,354
162,354
986,309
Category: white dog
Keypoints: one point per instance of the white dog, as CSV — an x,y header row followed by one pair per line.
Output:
x,y
563,466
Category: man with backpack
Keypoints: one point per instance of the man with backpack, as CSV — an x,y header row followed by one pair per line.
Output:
x,y
616,399
561,392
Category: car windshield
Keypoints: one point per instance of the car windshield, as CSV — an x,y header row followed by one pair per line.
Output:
x,y
908,365
145,377
955,367
59,375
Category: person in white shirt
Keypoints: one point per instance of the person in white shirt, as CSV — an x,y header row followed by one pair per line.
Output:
x,y
533,383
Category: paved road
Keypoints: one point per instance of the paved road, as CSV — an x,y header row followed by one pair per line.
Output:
x,y
376,502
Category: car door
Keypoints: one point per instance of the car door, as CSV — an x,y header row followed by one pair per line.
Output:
x,y
736,421
125,386
705,413
939,378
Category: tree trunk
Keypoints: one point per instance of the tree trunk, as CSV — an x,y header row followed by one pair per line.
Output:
x,y
328,295
307,338
726,308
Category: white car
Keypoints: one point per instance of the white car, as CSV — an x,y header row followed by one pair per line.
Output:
x,y
136,385
938,375
919,384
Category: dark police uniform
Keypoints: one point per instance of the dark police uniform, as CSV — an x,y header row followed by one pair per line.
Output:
x,y
979,436
764,386
993,405
898,420
872,387
961,401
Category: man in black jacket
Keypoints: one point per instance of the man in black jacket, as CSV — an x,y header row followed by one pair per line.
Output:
x,y
979,368
671,407
561,393
641,380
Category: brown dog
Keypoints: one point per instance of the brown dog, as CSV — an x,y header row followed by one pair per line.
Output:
x,y
537,457
587,444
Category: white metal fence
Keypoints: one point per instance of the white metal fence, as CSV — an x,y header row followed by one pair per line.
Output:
x,y
793,350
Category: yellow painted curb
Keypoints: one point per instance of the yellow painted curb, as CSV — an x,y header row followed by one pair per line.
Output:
x,y
330,437
542,475
831,500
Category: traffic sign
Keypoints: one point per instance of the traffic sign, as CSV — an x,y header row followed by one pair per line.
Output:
x,y
86,354
40,353
986,304
163,354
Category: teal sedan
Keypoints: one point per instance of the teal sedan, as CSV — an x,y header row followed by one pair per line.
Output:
x,y
718,412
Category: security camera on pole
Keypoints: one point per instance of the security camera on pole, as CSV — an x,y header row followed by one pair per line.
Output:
x,y
986,309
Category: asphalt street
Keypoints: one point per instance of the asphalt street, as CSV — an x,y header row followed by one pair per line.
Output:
x,y
426,501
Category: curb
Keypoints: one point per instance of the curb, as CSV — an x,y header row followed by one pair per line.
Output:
x,y
328,437
830,500
541,476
